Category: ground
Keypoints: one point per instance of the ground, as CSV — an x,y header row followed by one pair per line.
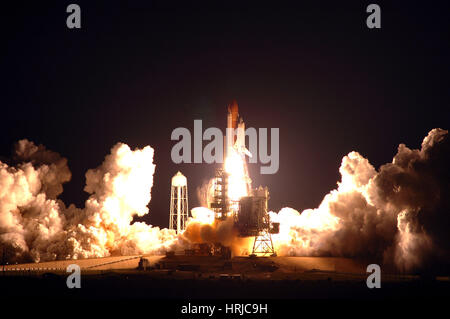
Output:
x,y
181,277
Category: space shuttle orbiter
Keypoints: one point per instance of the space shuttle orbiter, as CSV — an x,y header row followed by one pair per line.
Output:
x,y
235,135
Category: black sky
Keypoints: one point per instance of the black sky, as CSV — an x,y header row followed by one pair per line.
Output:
x,y
137,70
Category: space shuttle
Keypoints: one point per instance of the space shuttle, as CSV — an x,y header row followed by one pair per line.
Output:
x,y
235,134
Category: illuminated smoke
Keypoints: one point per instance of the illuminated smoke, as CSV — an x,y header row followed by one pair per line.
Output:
x,y
203,228
35,226
398,213
205,193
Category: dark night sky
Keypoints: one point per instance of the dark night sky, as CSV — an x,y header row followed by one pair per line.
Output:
x,y
136,71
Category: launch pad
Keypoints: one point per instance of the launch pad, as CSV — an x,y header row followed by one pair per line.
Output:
x,y
249,214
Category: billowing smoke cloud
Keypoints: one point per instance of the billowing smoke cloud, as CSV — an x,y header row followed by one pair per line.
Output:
x,y
205,193
36,226
53,169
398,214
203,228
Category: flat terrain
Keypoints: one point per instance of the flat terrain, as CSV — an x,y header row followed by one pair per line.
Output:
x,y
180,277
206,263
107,263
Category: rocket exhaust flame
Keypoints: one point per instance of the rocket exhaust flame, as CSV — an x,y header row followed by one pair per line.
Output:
x,y
239,183
237,178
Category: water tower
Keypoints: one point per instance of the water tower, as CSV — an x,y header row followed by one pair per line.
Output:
x,y
178,203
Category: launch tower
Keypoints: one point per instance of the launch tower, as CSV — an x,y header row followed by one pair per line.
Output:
x,y
250,210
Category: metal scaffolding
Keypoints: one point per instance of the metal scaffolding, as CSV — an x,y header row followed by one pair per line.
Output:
x,y
263,244
179,211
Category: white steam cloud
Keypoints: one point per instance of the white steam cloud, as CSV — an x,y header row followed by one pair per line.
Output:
x,y
398,214
36,226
